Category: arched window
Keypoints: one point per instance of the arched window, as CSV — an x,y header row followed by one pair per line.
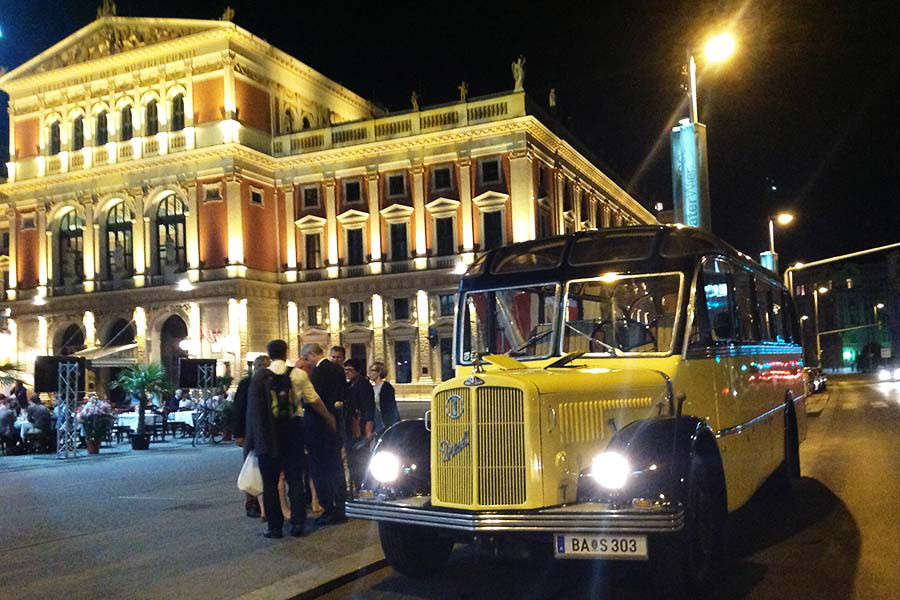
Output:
x,y
305,123
170,253
178,113
78,133
70,342
102,130
119,258
127,129
152,120
54,138
71,248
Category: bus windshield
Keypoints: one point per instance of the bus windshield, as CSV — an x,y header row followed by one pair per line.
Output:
x,y
632,314
517,321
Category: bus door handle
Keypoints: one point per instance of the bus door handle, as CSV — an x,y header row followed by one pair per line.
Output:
x,y
427,420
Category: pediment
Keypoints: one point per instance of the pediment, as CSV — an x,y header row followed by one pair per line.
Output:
x,y
310,222
396,211
109,36
351,216
490,199
442,205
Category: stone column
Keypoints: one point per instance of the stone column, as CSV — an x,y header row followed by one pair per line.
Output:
x,y
521,187
559,184
292,329
87,253
229,100
234,209
41,232
331,218
424,349
140,330
191,233
12,144
378,328
465,200
374,216
290,231
334,322
13,217
138,240
418,195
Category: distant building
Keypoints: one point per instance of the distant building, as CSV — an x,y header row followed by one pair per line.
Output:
x,y
851,304
182,187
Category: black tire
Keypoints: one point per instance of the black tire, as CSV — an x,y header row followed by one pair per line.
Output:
x,y
686,564
417,552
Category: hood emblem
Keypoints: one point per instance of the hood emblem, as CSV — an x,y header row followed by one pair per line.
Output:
x,y
473,380
449,450
454,406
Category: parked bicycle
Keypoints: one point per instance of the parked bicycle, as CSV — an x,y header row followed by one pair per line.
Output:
x,y
209,426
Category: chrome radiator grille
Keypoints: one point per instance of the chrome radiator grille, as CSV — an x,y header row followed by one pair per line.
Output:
x,y
492,466
452,479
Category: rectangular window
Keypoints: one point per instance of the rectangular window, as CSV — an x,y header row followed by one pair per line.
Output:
x,y
403,358
745,303
313,251
399,248
447,304
764,310
493,229
311,197
314,316
442,179
355,247
444,234
4,243
357,312
446,359
718,291
585,209
543,223
567,196
490,170
352,192
401,309
542,182
212,193
396,185
358,351
256,197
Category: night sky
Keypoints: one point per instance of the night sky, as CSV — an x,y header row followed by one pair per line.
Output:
x,y
809,101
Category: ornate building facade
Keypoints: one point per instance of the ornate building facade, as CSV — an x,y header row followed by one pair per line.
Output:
x,y
183,187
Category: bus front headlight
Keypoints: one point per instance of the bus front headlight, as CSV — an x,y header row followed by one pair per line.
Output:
x,y
610,470
385,466
884,375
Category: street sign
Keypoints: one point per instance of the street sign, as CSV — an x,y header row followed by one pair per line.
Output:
x,y
885,353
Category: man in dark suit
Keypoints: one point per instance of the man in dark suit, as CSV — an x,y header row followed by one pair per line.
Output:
x,y
322,442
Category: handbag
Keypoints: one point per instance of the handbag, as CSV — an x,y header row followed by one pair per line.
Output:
x,y
250,478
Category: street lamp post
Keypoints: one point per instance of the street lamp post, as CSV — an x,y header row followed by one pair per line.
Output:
x,y
770,259
690,165
816,292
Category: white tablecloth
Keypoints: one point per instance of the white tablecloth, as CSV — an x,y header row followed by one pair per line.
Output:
x,y
130,419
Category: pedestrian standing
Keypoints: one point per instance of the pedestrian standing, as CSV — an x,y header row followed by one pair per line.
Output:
x,y
386,411
359,411
323,442
251,502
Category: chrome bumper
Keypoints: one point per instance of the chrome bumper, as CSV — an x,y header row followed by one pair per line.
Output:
x,y
576,518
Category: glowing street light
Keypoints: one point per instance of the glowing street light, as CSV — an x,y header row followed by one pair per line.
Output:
x,y
719,47
783,218
821,290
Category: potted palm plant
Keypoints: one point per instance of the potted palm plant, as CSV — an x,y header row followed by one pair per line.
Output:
x,y
96,418
143,381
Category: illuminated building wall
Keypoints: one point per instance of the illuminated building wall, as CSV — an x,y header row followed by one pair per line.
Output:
x,y
234,189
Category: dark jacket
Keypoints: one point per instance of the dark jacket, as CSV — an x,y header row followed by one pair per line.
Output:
x,y
7,418
39,416
387,406
239,427
331,384
260,427
360,404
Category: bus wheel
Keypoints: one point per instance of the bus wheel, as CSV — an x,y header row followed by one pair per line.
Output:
x,y
685,565
417,552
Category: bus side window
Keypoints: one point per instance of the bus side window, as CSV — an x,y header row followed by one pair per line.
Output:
x,y
764,309
718,292
746,306
778,311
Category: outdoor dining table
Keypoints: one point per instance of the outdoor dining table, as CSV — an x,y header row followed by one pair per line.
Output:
x,y
130,419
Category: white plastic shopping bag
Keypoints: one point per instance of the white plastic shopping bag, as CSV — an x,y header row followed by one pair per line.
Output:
x,y
250,477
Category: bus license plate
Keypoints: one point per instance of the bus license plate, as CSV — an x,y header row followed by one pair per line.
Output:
x,y
623,547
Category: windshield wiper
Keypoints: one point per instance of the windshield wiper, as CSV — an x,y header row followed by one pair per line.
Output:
x,y
612,349
529,341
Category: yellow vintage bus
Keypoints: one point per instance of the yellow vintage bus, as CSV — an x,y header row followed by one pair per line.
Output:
x,y
617,393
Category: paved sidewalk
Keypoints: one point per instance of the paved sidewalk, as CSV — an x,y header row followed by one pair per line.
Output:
x,y
165,523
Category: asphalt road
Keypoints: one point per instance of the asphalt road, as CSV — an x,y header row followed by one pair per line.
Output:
x,y
835,536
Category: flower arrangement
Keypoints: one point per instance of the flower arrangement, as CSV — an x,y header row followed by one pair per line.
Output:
x,y
96,417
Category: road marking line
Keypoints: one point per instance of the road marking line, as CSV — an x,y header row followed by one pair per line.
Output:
x,y
145,498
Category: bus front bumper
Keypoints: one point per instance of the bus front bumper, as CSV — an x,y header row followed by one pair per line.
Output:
x,y
586,517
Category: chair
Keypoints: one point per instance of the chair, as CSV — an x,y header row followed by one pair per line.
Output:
x,y
157,428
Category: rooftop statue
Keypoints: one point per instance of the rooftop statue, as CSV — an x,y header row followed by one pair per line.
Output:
x,y
518,72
